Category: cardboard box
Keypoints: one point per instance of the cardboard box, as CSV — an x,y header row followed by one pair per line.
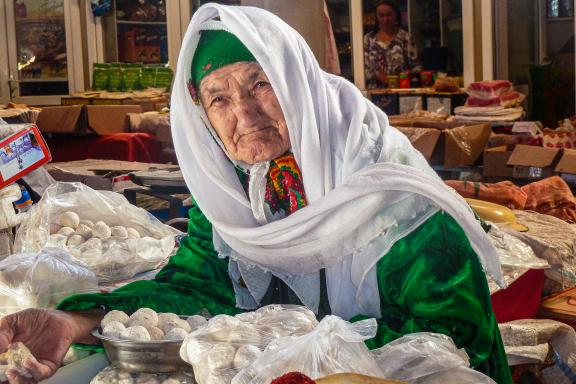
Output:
x,y
74,100
423,139
521,161
63,119
560,307
496,162
567,166
108,119
455,144
531,162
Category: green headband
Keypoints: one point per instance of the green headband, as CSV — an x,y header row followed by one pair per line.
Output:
x,y
216,49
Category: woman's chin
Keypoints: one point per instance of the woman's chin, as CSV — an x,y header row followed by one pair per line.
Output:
x,y
259,153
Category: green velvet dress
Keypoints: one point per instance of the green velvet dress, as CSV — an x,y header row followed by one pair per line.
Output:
x,y
430,281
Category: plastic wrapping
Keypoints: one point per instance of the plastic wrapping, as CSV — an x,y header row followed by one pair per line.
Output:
x,y
513,251
529,341
114,238
427,358
489,88
113,375
42,280
227,344
334,346
554,240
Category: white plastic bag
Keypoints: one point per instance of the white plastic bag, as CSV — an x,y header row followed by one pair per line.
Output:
x,y
427,358
42,280
334,346
515,256
227,344
113,256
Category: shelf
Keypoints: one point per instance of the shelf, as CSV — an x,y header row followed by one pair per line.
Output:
x,y
555,19
49,80
130,22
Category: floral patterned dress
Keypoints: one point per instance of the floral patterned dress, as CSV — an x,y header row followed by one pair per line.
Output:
x,y
397,55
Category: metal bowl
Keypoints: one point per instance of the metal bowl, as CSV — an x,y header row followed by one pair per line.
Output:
x,y
143,356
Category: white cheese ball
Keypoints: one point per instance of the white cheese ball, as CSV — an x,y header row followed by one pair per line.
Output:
x,y
155,333
114,315
245,355
88,223
114,330
146,378
74,240
69,219
213,379
221,356
145,315
220,326
177,323
119,232
176,334
75,253
91,256
136,333
249,317
93,243
244,334
171,381
57,240
101,230
84,231
66,231
196,321
132,233
164,318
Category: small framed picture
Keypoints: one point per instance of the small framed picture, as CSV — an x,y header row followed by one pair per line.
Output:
x,y
21,153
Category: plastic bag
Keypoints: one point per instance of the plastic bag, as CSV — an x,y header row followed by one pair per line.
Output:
x,y
334,346
113,375
113,257
427,358
227,344
42,280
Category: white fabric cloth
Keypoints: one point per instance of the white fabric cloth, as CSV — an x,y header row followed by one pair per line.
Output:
x,y
366,185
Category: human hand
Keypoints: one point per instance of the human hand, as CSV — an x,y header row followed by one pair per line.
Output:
x,y
48,335
382,77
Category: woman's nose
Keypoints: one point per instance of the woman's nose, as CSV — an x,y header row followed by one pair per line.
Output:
x,y
247,112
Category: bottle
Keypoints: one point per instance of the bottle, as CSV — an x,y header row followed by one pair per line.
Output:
x,y
404,80
25,202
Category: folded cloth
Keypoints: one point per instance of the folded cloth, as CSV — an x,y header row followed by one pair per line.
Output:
x,y
551,196
505,193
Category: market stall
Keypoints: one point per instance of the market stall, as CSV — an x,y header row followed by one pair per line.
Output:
x,y
418,230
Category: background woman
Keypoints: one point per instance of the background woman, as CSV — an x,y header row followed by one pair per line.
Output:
x,y
388,49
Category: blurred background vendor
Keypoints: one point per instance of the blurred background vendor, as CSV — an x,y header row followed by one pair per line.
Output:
x,y
388,49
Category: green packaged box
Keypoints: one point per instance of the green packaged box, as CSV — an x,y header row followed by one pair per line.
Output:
x,y
115,77
100,76
131,77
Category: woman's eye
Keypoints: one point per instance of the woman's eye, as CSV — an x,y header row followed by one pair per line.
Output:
x,y
217,100
261,84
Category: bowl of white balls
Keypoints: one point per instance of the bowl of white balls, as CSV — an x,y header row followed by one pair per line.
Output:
x,y
146,341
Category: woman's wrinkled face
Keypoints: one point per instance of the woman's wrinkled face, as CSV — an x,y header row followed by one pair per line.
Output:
x,y
386,16
245,113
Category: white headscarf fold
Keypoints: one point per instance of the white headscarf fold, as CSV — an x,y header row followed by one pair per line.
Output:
x,y
366,186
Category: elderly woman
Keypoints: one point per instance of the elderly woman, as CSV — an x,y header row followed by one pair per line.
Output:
x,y
305,195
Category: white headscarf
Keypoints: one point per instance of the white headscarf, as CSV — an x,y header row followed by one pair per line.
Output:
x,y
366,186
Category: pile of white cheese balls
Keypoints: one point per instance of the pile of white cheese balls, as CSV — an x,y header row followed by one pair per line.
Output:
x,y
147,325
74,232
114,375
227,344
